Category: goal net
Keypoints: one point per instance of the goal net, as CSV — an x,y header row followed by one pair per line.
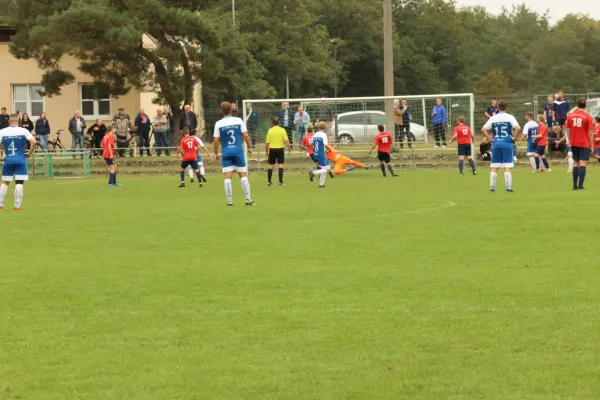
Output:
x,y
354,120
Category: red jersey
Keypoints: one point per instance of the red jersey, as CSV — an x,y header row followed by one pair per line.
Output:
x,y
579,124
189,145
108,144
383,141
542,130
596,136
463,134
306,143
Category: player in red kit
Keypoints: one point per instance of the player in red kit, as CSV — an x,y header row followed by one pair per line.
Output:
x,y
464,136
189,148
541,140
108,144
383,143
581,134
597,139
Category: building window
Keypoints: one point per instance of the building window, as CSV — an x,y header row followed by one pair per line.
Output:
x,y
93,104
28,99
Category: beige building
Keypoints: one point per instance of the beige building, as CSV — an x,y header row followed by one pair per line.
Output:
x,y
20,85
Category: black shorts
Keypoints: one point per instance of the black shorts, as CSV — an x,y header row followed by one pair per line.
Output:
x,y
562,121
193,164
464,150
383,156
581,153
540,150
276,156
109,161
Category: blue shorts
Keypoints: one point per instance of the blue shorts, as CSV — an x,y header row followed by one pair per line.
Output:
x,y
234,163
322,161
109,161
562,121
502,157
581,153
597,151
531,148
540,150
16,170
199,160
464,150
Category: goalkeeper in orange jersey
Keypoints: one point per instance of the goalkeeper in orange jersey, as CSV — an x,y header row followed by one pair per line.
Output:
x,y
342,161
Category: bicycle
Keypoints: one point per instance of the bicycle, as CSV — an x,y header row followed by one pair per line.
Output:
x,y
56,145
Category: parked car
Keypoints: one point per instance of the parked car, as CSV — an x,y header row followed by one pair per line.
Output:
x,y
594,111
361,126
591,103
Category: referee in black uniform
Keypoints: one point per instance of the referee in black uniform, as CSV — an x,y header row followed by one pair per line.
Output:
x,y
277,141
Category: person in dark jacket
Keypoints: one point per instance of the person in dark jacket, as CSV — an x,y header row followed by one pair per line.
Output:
x,y
234,110
167,112
27,123
188,119
77,126
42,129
252,122
3,118
143,125
97,132
286,120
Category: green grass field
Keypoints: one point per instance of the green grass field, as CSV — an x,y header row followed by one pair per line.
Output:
x,y
425,286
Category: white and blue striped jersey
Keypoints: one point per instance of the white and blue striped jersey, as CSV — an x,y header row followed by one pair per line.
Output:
x,y
14,139
231,130
531,129
318,142
502,126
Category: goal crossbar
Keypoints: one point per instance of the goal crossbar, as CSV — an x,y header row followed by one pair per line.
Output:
x,y
356,99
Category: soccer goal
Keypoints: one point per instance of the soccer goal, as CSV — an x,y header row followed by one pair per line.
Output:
x,y
354,120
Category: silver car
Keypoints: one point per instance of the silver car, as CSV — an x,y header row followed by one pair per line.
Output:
x,y
361,126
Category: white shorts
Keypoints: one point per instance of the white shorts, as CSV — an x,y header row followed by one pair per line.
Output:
x,y
235,169
530,154
502,165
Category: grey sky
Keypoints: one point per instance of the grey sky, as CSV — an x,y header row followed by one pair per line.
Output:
x,y
558,8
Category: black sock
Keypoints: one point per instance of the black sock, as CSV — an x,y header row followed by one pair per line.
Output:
x,y
461,165
575,176
582,171
280,175
382,169
199,177
537,163
545,161
115,178
110,178
182,175
391,168
472,164
269,174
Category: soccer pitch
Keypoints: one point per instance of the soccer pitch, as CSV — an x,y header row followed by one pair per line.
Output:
x,y
424,286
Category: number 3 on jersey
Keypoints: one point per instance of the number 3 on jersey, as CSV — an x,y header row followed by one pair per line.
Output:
x,y
231,140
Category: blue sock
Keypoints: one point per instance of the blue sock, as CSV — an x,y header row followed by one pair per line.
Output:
x,y
115,178
575,176
472,164
383,169
182,176
391,168
545,161
111,179
582,171
461,165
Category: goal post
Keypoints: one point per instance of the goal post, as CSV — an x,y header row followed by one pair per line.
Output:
x,y
354,120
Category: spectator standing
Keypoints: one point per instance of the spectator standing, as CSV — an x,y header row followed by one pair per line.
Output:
x,y
161,126
252,121
439,118
406,117
398,121
234,110
42,129
492,109
97,132
325,114
188,119
27,123
121,126
77,127
549,112
561,110
286,120
3,118
301,120
143,125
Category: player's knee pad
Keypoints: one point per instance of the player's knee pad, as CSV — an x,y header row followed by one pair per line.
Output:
x,y
20,182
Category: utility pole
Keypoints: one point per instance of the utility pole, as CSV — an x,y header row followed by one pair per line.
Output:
x,y
388,64
335,86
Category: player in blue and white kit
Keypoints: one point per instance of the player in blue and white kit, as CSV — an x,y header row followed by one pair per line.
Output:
x,y
505,129
529,131
319,144
14,139
231,131
200,161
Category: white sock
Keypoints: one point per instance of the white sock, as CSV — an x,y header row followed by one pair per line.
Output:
x,y
493,176
3,193
532,162
322,178
228,190
202,171
191,172
508,180
571,164
18,195
246,187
